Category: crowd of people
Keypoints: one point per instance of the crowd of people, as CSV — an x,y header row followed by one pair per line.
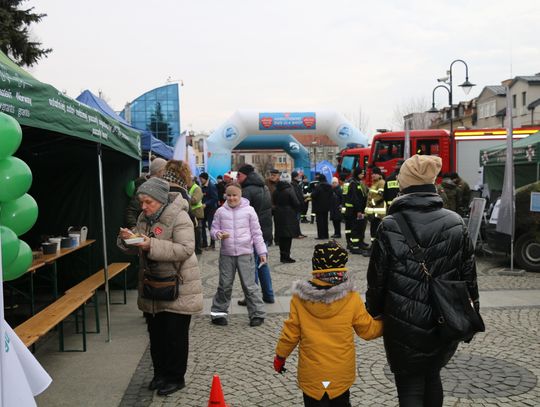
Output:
x,y
177,216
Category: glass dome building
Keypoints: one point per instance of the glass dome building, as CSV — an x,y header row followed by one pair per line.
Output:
x,y
158,111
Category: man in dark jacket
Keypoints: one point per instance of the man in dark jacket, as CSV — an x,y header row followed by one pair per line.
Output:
x,y
258,195
398,289
286,206
391,186
321,199
355,194
296,179
210,202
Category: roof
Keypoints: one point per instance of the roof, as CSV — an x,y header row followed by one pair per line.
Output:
x,y
499,90
531,79
496,90
533,104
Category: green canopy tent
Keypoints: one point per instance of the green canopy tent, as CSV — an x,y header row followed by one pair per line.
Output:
x,y
79,159
526,152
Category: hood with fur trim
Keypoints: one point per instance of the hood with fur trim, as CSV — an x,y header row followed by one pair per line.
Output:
x,y
323,302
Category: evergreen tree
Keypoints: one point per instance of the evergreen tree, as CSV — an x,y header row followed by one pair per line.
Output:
x,y
15,39
158,126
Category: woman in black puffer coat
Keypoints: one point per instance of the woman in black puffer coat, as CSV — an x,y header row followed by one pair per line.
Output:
x,y
286,206
398,289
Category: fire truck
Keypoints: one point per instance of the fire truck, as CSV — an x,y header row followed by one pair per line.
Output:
x,y
459,153
350,158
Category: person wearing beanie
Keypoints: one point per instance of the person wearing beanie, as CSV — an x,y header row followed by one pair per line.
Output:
x,y
133,209
246,169
166,252
157,167
326,356
156,188
397,286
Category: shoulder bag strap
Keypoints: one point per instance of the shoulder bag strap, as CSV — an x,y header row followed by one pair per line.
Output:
x,y
416,250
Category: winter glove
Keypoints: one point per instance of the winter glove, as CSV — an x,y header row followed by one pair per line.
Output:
x,y
279,364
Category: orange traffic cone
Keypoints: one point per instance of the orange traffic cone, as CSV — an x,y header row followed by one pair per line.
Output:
x,y
216,394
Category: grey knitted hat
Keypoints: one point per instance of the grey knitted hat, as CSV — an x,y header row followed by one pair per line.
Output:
x,y
157,188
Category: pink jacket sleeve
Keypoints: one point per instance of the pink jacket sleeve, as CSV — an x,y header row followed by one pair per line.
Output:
x,y
216,224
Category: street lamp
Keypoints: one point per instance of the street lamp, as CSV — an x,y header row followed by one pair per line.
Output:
x,y
466,86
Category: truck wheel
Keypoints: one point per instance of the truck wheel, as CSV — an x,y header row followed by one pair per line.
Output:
x,y
528,252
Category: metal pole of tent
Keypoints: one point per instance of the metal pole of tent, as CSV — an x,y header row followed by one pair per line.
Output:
x,y
104,237
2,334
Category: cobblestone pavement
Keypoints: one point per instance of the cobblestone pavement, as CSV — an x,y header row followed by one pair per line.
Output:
x,y
499,368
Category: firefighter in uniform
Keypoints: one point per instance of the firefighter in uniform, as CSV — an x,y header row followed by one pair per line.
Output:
x,y
391,186
354,205
376,206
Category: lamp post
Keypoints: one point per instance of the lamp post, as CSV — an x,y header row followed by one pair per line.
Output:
x,y
466,86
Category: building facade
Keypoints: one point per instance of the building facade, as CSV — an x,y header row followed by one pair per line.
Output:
x,y
158,111
525,91
491,104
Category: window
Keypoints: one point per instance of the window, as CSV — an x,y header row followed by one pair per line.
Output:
x,y
282,159
386,150
348,163
523,98
514,101
427,147
492,108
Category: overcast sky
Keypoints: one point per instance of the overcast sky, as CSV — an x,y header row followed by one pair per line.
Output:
x,y
295,55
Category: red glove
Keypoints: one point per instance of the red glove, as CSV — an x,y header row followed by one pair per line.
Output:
x,y
279,364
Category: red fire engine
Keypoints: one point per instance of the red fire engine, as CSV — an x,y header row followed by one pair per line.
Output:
x,y
459,153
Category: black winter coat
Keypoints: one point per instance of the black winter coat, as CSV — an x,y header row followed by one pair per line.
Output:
x,y
337,203
321,198
258,195
286,207
398,289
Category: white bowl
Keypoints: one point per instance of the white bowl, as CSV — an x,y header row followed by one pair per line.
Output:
x,y
134,240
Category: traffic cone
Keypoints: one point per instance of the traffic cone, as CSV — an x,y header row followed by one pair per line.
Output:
x,y
216,394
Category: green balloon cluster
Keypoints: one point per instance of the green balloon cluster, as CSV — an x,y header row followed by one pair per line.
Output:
x,y
18,210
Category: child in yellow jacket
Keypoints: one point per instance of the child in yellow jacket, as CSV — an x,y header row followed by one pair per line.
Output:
x,y
324,314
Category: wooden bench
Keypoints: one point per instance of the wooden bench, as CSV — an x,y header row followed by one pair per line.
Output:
x,y
96,280
37,326
76,297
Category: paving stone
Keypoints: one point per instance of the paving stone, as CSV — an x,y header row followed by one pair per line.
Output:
x,y
498,368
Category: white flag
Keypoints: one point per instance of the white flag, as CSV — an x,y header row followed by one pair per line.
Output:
x,y
505,223
191,160
21,375
180,147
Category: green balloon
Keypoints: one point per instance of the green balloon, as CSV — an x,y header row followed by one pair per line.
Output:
x,y
130,188
15,178
19,215
10,135
10,245
22,263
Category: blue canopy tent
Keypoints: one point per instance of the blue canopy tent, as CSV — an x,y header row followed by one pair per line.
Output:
x,y
148,141
326,168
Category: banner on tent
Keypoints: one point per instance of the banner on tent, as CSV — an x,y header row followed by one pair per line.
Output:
x,y
36,104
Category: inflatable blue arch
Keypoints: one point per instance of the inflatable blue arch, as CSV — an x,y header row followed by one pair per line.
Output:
x,y
285,142
267,130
